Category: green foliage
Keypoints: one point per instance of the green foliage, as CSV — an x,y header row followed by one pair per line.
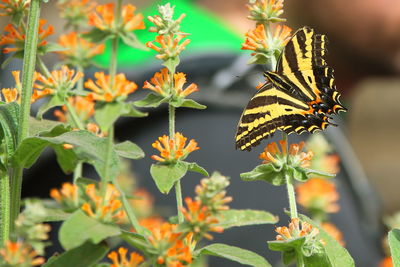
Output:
x,y
194,167
53,101
9,128
186,103
38,211
86,255
151,101
165,175
130,39
129,150
80,228
394,243
236,254
236,218
290,249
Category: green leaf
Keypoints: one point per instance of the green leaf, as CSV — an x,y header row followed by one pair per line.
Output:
x,y
80,228
236,254
86,255
319,173
289,249
337,255
107,113
265,172
9,114
86,146
54,101
190,103
129,150
194,167
165,175
85,181
394,243
297,173
52,47
130,39
234,218
130,111
96,35
41,127
39,211
136,240
151,101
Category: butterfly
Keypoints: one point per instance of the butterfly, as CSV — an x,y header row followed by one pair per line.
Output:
x,y
299,96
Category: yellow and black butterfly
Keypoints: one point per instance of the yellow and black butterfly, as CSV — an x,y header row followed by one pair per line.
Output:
x,y
298,97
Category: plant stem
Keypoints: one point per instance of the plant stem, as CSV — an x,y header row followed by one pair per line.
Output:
x,y
43,67
300,259
77,171
28,69
110,144
292,196
4,208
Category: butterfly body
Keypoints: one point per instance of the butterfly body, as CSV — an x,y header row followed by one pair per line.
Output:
x,y
298,97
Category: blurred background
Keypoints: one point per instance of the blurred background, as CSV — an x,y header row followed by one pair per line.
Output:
x,y
364,50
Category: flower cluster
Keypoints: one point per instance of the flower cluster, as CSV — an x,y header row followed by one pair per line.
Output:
x,y
59,82
15,9
173,149
75,12
263,11
168,46
19,254
200,220
104,19
164,23
104,90
15,37
78,51
108,208
12,94
171,247
294,157
120,259
212,194
67,196
163,85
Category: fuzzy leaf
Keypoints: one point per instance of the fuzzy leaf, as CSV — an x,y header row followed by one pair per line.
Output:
x,y
39,211
54,101
129,150
394,243
298,173
130,39
151,101
190,103
130,111
53,47
9,114
38,127
288,249
86,255
236,254
337,255
107,113
136,240
80,228
265,172
235,218
194,167
165,175
319,173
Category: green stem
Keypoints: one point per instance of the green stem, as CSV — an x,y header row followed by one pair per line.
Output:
x,y
4,208
43,67
77,171
28,69
110,145
292,197
76,121
300,259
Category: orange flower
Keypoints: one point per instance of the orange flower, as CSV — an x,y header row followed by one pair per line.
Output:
x,y
104,91
120,260
13,7
386,262
333,231
83,106
16,37
67,196
151,222
200,219
60,81
169,46
273,154
172,250
173,149
258,41
78,50
318,194
266,10
142,203
12,94
75,11
104,19
107,209
20,254
161,84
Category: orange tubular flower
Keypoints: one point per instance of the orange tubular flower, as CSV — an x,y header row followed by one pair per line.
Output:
x,y
173,149
13,7
20,254
172,250
60,80
169,46
333,231
104,91
78,50
386,262
179,81
67,196
104,19
120,260
318,194
108,209
16,37
12,94
266,10
272,154
200,219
